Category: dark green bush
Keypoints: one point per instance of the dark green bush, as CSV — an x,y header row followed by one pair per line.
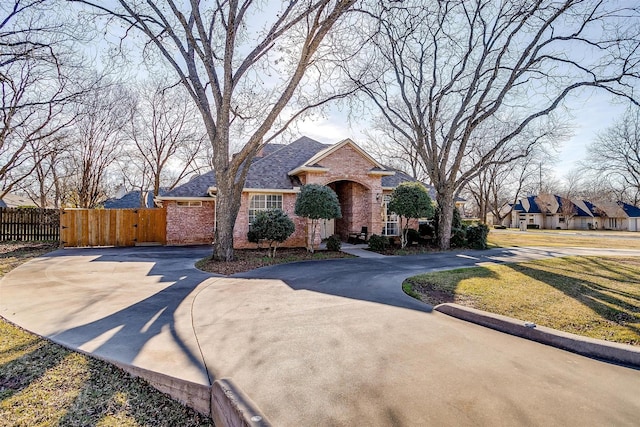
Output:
x,y
413,236
477,236
458,237
427,230
533,226
273,227
500,227
378,243
334,243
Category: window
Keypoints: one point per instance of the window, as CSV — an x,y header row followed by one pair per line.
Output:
x,y
189,203
390,223
613,222
263,202
531,220
561,219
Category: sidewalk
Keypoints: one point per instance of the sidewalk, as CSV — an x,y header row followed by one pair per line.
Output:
x,y
360,250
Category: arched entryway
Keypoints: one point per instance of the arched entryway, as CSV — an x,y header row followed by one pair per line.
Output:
x,y
355,205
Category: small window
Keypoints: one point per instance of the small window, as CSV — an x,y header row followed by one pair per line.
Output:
x,y
189,203
530,220
390,223
263,202
561,219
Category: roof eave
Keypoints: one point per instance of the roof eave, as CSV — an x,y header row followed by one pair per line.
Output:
x,y
312,169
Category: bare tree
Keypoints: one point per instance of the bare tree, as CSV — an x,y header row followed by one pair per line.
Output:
x,y
242,62
36,66
445,71
168,139
98,139
615,157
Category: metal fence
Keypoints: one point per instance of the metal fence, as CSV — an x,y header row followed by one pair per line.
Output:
x,y
29,224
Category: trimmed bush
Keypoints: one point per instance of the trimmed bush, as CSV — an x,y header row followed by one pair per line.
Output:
x,y
334,243
272,227
477,236
378,243
533,226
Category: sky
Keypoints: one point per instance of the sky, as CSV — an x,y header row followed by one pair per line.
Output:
x,y
592,113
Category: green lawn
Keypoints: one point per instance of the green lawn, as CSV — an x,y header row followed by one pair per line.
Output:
x,y
591,296
564,238
44,384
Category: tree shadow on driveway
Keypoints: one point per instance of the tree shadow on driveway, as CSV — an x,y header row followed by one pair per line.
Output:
x,y
123,334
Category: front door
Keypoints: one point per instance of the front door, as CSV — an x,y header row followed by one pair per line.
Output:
x,y
327,228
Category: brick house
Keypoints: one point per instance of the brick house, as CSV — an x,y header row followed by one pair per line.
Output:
x,y
362,184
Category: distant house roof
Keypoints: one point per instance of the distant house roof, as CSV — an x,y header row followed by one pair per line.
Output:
x,y
11,200
582,208
131,200
630,210
527,205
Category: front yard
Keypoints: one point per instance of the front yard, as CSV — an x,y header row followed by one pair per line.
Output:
x,y
597,297
564,238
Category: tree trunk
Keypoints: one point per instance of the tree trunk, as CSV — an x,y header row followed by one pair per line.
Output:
x,y
445,220
227,207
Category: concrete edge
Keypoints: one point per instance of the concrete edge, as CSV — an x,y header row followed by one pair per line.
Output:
x,y
224,401
599,349
231,407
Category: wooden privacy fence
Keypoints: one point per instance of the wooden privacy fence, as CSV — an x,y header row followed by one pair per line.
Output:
x,y
33,224
112,227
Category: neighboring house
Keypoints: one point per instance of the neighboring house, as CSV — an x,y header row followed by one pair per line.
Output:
x,y
11,200
362,184
617,216
555,212
131,200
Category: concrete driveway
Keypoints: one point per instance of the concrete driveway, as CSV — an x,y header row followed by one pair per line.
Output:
x,y
317,343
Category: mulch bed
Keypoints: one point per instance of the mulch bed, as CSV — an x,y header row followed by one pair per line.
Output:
x,y
250,259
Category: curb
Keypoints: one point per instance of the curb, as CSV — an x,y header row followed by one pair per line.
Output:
x,y
599,349
223,401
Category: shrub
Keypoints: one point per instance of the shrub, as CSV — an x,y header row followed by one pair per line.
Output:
x,y
477,236
500,227
533,226
378,243
426,230
413,236
459,237
334,243
273,227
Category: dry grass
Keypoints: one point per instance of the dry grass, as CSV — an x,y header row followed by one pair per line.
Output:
x,y
44,384
250,259
591,296
564,238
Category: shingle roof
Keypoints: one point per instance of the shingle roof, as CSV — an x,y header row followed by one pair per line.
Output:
x,y
532,205
267,172
630,210
198,186
131,200
271,171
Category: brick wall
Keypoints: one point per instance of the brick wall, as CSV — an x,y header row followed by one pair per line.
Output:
x,y
189,224
296,240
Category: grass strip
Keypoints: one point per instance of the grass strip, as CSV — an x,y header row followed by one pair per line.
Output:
x,y
591,296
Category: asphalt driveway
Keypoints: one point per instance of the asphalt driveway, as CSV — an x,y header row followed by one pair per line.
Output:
x,y
317,343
